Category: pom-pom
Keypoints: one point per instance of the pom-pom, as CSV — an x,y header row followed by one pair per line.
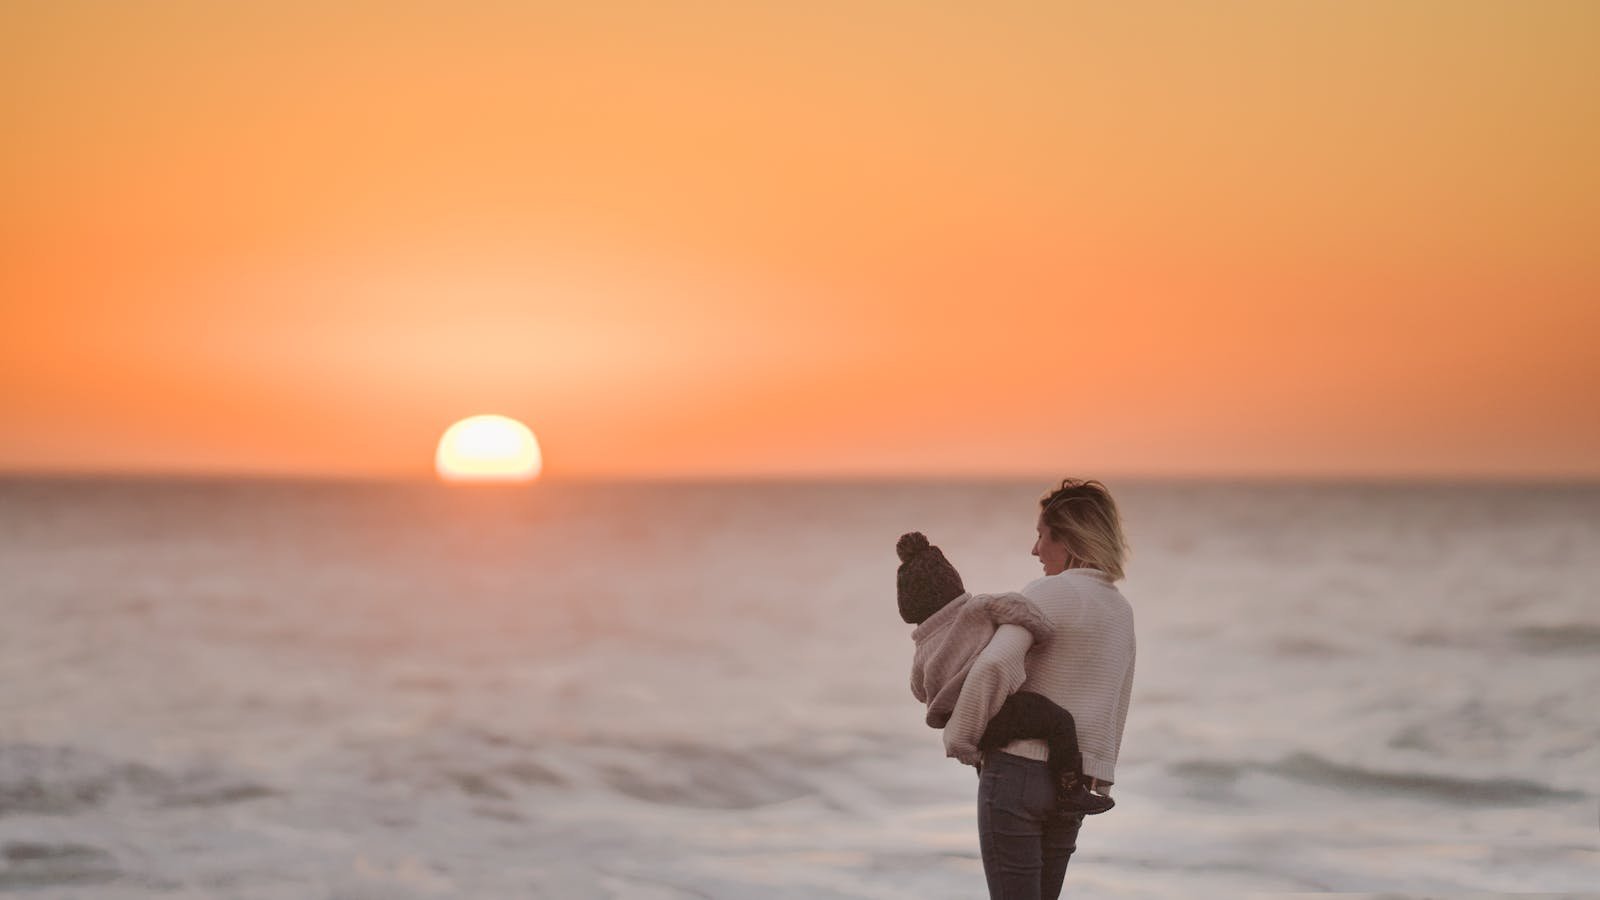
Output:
x,y
911,544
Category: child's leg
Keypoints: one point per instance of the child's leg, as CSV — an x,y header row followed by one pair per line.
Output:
x,y
1029,715
1012,722
1062,736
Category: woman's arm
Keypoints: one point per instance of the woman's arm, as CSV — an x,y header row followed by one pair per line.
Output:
x,y
996,674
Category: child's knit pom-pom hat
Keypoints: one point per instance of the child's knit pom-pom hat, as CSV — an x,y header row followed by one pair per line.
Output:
x,y
926,581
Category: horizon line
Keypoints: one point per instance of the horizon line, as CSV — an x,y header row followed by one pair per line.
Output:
x,y
1396,477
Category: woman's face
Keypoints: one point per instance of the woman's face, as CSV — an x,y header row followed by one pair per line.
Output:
x,y
1051,552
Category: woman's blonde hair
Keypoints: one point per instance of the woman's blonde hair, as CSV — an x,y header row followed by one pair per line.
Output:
x,y
1081,514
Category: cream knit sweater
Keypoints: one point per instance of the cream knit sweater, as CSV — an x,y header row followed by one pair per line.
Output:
x,y
1086,668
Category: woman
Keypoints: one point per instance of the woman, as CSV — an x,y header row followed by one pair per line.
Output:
x,y
1086,668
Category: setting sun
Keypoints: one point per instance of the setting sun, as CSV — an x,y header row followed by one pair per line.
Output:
x,y
488,448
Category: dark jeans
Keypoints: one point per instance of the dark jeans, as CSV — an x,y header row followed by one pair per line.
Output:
x,y
1025,850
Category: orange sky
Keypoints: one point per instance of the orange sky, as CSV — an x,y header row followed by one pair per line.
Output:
x,y
852,238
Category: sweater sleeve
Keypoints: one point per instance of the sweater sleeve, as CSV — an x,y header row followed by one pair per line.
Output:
x,y
1123,700
1017,609
996,675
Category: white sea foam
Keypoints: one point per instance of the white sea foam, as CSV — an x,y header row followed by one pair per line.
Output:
x,y
292,690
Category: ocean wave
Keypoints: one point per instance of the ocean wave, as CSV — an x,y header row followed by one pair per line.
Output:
x,y
1574,639
495,768
1434,637
1308,768
704,776
33,864
1553,640
60,780
738,776
44,779
214,791
1302,647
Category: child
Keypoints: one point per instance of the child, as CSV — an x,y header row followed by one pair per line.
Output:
x,y
953,627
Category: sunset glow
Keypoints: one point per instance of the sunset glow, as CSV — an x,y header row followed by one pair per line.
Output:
x,y
488,448
761,239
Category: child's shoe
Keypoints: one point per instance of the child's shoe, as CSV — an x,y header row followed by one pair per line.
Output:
x,y
1073,797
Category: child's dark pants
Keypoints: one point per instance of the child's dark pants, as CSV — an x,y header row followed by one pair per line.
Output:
x,y
1029,715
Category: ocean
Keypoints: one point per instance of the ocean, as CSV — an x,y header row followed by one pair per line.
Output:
x,y
322,689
